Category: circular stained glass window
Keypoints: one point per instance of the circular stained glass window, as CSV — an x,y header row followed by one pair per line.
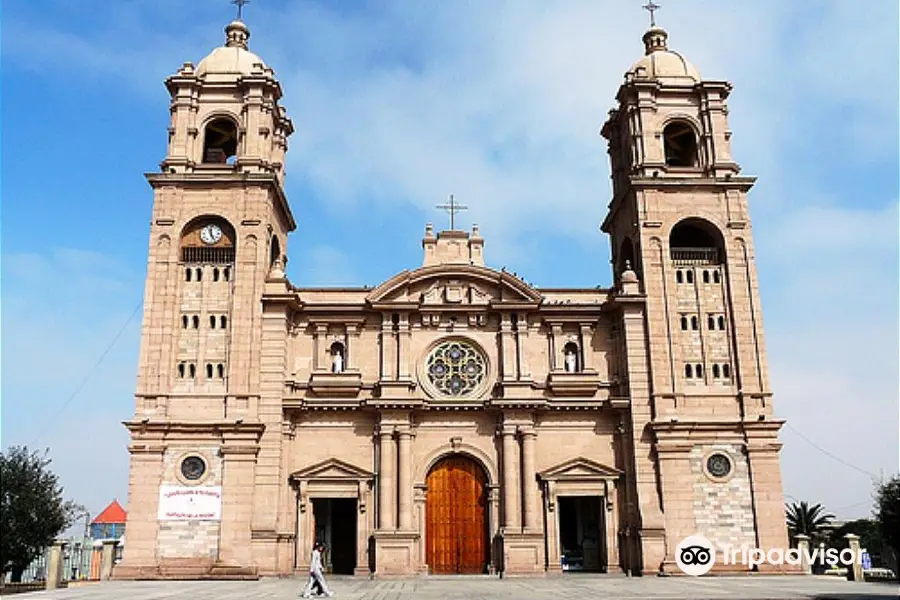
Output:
x,y
718,465
193,468
455,368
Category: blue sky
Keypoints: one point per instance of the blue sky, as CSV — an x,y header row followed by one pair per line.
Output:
x,y
398,104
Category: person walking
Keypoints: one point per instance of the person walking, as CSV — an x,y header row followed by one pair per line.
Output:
x,y
316,573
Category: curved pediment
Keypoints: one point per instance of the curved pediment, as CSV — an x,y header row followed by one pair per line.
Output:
x,y
449,284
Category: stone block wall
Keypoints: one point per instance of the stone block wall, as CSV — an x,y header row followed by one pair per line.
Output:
x,y
723,510
193,538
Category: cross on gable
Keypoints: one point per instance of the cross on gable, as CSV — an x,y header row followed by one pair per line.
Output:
x,y
452,207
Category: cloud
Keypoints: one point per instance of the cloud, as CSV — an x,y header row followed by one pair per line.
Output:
x,y
61,310
325,266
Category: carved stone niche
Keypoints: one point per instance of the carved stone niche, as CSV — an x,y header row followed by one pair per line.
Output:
x,y
326,383
580,383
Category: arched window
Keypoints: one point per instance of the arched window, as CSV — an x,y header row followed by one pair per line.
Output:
x,y
196,321
696,241
688,371
184,321
212,321
684,323
208,240
626,256
223,322
337,357
715,370
699,371
680,145
716,277
215,273
209,370
722,322
711,322
226,273
221,370
690,276
192,369
187,274
705,276
726,371
181,370
220,141
695,323
678,277
274,250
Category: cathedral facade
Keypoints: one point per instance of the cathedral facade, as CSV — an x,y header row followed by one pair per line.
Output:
x,y
453,419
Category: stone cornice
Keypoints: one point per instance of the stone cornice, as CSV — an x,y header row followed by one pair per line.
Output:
x,y
160,429
208,180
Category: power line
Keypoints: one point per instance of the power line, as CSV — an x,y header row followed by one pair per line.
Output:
x,y
87,377
827,453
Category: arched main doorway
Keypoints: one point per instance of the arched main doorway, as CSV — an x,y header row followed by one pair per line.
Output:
x,y
456,523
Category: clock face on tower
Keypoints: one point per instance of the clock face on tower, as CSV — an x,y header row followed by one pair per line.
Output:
x,y
210,234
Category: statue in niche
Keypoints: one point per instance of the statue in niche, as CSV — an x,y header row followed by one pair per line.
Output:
x,y
571,359
337,358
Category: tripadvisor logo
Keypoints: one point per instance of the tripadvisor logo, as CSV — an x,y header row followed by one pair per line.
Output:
x,y
696,555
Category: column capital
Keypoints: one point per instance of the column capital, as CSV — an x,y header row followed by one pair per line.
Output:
x,y
385,431
527,431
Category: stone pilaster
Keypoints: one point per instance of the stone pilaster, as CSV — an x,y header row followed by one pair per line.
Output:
x,y
511,513
239,463
404,479
507,349
388,352
139,557
386,485
529,480
403,343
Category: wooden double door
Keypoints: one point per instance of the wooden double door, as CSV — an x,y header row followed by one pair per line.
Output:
x,y
456,533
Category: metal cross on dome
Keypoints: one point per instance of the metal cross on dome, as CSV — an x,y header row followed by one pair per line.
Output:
x,y
240,6
452,207
651,7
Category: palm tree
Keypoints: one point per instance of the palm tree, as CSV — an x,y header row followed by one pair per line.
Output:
x,y
808,520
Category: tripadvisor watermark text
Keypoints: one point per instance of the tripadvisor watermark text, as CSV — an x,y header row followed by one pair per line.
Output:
x,y
696,555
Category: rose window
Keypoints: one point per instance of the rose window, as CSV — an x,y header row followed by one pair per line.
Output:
x,y
455,368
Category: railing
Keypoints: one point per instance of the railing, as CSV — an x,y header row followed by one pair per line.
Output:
x,y
76,564
208,255
695,256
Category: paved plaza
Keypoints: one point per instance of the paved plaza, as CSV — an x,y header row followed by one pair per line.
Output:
x,y
573,587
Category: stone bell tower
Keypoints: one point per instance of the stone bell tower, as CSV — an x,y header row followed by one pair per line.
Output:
x,y
219,228
678,221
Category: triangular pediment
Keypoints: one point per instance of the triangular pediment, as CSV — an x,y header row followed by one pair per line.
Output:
x,y
452,284
581,469
331,469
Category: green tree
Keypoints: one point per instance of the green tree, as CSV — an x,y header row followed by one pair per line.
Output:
x,y
808,520
887,512
32,509
866,529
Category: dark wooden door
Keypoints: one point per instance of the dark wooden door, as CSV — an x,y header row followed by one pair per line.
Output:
x,y
456,529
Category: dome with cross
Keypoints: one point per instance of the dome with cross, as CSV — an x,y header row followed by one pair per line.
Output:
x,y
661,64
233,58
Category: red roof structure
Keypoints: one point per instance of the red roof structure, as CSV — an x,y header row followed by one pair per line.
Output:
x,y
112,514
